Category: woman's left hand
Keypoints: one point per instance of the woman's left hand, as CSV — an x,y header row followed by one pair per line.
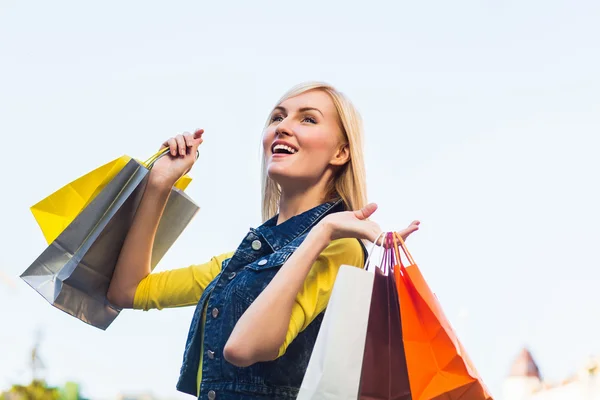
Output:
x,y
355,224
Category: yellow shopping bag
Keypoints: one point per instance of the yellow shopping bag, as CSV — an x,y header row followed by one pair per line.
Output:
x,y
54,213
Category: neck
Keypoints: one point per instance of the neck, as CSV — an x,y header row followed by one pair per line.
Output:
x,y
294,202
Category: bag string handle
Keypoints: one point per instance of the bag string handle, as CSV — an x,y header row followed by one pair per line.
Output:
x,y
402,245
149,163
155,157
372,250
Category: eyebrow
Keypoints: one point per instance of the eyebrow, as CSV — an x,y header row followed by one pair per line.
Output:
x,y
303,109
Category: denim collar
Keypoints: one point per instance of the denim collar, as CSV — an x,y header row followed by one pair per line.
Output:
x,y
278,236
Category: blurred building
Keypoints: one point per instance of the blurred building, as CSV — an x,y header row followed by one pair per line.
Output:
x,y
524,382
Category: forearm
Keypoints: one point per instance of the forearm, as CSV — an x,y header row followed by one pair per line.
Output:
x,y
262,329
133,263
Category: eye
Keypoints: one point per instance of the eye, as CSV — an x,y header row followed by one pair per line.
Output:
x,y
277,118
310,120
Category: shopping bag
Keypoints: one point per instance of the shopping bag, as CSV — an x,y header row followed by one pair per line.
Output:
x,y
438,365
74,272
334,369
54,213
384,371
335,365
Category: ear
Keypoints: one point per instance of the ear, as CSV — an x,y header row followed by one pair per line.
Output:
x,y
342,156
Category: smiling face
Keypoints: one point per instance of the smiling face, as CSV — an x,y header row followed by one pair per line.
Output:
x,y
303,142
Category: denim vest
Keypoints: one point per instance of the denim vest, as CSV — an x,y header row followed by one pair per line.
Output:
x,y
242,278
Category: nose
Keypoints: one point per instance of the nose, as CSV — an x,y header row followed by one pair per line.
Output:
x,y
284,128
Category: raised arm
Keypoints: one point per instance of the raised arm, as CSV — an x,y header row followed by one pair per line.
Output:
x,y
133,264
261,331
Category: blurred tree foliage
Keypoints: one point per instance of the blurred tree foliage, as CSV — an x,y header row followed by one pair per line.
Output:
x,y
38,390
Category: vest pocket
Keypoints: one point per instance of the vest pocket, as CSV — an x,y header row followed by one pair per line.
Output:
x,y
256,276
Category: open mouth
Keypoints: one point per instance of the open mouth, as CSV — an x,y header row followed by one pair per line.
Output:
x,y
283,149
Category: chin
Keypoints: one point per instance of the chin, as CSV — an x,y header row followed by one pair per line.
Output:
x,y
279,176
282,176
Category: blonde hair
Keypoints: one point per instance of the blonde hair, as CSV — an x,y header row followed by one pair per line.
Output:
x,y
349,183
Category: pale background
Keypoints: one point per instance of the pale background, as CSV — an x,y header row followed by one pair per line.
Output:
x,y
482,121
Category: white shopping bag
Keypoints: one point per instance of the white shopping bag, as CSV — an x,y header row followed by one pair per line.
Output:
x,y
335,365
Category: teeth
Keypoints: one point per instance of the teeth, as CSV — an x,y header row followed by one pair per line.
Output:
x,y
283,147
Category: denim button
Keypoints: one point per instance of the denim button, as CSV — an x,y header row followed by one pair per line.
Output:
x,y
256,245
211,354
262,262
232,275
215,312
212,395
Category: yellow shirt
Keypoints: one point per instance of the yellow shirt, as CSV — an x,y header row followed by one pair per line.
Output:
x,y
184,286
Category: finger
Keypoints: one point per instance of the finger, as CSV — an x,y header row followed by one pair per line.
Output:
x,y
172,146
366,211
165,144
189,140
192,145
198,133
411,229
197,143
181,147
414,226
407,232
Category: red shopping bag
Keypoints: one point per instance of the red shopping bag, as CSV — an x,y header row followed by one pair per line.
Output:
x,y
384,373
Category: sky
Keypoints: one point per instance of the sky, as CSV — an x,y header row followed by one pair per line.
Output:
x,y
482,120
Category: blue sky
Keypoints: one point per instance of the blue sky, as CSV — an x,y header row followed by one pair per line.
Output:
x,y
481,118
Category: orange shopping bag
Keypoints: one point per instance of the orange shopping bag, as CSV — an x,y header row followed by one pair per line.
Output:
x,y
438,365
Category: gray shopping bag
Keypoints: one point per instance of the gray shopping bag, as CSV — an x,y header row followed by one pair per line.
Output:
x,y
74,272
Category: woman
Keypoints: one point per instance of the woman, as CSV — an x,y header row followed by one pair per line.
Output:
x,y
259,309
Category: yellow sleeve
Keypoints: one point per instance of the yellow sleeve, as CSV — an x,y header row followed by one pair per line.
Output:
x,y
177,287
314,295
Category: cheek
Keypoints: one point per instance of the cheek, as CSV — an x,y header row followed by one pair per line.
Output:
x,y
267,139
319,145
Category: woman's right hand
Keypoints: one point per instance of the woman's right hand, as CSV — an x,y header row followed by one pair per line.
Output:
x,y
180,159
